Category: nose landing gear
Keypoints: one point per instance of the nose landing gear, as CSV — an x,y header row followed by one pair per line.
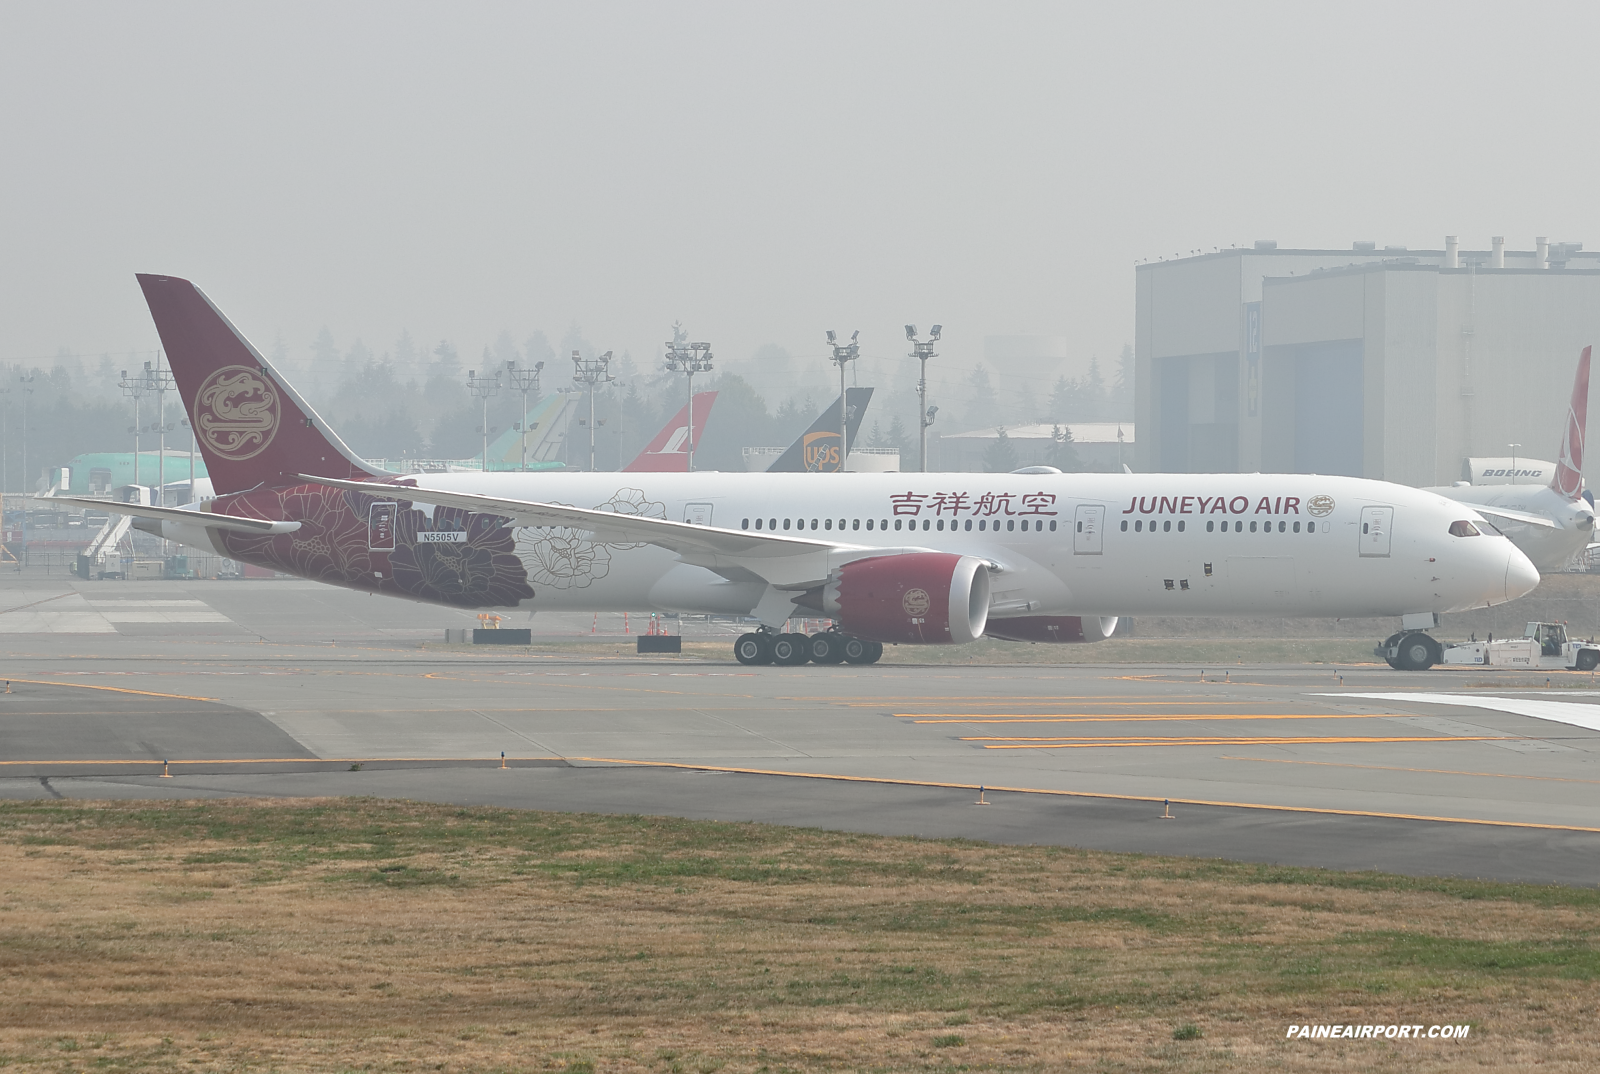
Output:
x,y
791,650
1414,651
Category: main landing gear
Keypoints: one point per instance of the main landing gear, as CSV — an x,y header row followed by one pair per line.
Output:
x,y
790,650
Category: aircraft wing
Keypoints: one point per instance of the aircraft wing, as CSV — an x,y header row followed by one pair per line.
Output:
x,y
704,545
1515,516
208,519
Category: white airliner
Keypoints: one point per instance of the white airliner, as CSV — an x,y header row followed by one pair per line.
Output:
x,y
892,558
1551,523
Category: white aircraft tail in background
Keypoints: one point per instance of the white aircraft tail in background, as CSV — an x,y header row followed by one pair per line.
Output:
x,y
1553,523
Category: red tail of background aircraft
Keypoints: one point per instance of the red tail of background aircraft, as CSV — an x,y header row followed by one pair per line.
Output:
x,y
1569,465
668,453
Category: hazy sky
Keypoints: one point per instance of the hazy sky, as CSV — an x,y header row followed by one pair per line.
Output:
x,y
760,171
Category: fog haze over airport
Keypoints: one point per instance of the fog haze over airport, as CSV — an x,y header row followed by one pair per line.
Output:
x,y
481,173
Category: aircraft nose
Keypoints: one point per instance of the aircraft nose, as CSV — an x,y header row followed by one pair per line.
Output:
x,y
1521,575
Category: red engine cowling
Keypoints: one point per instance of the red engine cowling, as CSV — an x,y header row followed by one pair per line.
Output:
x,y
920,598
1055,629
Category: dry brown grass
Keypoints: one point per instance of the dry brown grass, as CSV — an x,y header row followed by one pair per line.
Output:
x,y
357,934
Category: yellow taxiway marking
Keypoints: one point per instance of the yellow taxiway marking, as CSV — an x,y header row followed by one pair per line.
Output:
x,y
486,761
1089,794
112,689
941,717
1013,699
1097,743
1402,768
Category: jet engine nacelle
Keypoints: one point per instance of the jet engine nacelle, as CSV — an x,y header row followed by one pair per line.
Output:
x,y
1055,629
920,598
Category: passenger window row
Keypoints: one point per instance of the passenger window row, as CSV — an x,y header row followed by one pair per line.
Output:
x,y
1211,526
1012,524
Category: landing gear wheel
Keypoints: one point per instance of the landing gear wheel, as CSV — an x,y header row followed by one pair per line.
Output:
x,y
790,650
1418,652
877,652
1383,651
827,648
753,649
857,651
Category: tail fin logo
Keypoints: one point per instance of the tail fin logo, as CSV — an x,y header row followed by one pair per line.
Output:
x,y
1569,464
236,412
821,451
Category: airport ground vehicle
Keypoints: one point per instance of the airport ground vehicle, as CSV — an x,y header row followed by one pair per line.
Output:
x,y
912,559
1542,645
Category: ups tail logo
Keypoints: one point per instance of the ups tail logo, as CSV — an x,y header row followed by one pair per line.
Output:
x,y
821,452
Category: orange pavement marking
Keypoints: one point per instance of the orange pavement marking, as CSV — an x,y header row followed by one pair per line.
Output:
x,y
1401,768
1091,743
1009,717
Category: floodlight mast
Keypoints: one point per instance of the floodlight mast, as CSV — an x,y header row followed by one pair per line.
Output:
x,y
161,382
133,389
922,351
591,371
524,381
485,388
25,386
688,358
844,353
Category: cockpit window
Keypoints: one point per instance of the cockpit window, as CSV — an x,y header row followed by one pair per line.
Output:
x,y
1464,528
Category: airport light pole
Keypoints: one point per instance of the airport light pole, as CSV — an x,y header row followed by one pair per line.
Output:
x,y
524,381
133,389
1513,448
688,358
5,412
193,498
593,372
844,353
161,382
922,351
485,388
25,383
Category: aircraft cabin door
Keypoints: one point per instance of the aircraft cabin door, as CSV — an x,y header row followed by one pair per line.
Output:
x,y
1376,522
380,527
697,514
1087,523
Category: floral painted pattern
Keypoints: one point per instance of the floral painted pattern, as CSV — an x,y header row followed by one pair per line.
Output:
x,y
331,546
565,558
496,566
483,572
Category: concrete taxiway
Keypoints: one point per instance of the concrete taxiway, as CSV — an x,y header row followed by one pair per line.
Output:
x,y
284,688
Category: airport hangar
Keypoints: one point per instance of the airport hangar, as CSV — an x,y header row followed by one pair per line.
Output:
x,y
1389,364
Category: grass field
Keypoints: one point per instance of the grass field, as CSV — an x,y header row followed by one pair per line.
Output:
x,y
337,935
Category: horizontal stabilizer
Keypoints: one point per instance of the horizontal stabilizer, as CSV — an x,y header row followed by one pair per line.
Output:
x,y
208,519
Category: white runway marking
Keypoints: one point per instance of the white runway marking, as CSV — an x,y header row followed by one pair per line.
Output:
x,y
53,613
1575,715
158,611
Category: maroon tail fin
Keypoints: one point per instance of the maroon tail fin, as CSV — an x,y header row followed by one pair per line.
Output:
x,y
1569,463
251,426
